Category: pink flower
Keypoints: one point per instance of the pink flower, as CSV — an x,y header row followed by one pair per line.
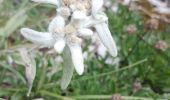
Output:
x,y
161,45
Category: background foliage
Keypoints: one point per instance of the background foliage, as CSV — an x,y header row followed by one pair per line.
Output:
x,y
142,66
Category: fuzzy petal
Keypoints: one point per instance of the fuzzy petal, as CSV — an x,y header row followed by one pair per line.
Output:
x,y
77,58
79,15
58,21
96,6
85,32
53,2
59,46
40,38
68,68
106,38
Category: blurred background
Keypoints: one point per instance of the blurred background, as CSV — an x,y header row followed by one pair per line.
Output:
x,y
141,71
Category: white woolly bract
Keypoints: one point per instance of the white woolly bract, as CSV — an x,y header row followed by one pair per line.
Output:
x,y
58,21
59,46
106,38
77,58
40,38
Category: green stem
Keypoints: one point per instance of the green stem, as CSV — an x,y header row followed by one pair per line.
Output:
x,y
14,89
108,97
42,78
54,95
111,72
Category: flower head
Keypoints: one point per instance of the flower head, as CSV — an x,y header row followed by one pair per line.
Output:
x,y
74,19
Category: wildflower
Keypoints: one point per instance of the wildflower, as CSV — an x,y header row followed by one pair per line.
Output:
x,y
64,33
137,86
131,29
161,45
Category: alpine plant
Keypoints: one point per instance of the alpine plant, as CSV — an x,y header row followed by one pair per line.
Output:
x,y
74,20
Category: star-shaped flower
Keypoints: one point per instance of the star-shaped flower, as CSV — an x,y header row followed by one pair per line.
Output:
x,y
64,33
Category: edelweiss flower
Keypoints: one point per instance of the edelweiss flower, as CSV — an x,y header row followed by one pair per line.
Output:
x,y
84,15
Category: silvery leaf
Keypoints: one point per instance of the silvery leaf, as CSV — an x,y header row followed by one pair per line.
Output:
x,y
40,38
13,23
30,67
106,38
58,21
77,58
68,69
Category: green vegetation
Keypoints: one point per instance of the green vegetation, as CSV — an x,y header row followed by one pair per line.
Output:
x,y
139,59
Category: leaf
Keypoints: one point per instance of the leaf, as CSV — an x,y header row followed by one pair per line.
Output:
x,y
6,66
68,69
16,96
14,22
3,93
1,31
30,67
